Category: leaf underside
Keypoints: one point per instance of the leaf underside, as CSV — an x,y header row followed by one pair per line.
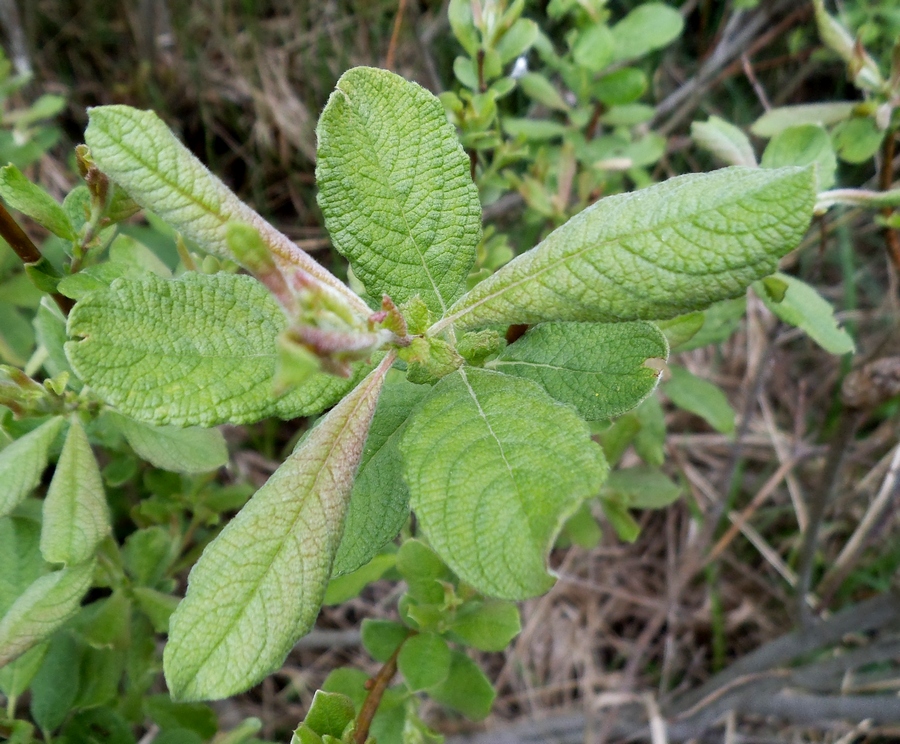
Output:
x,y
258,586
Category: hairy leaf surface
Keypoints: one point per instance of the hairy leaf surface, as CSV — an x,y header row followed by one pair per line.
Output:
x,y
139,152
651,254
258,586
379,502
199,350
42,608
599,368
191,450
395,189
804,307
494,468
76,516
23,461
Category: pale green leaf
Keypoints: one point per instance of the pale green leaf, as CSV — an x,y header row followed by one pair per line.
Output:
x,y
424,660
379,502
199,350
594,47
805,308
540,89
778,119
598,368
139,152
724,140
192,450
23,461
648,27
720,321
76,516
466,688
803,145
395,189
520,37
534,130
856,140
651,254
681,329
488,625
258,586
349,585
494,467
700,397
642,487
44,606
30,199
20,557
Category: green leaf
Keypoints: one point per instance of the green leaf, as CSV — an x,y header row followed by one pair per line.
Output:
x,y
700,397
724,140
147,554
528,464
621,521
648,27
533,130
459,12
18,675
642,488
720,321
620,87
655,253
517,40
805,308
488,625
157,606
424,572
56,684
50,328
857,139
168,714
42,608
598,368
424,661
139,152
824,114
466,688
803,145
681,329
20,556
594,47
379,502
540,89
349,585
650,441
30,199
191,450
23,462
330,713
199,350
258,586
395,189
76,516
382,637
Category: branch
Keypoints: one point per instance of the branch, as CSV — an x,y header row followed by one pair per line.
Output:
x,y
376,686
25,249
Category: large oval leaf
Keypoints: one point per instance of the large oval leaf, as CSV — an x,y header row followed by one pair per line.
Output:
x,y
76,516
395,189
651,254
599,368
494,467
199,350
258,586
